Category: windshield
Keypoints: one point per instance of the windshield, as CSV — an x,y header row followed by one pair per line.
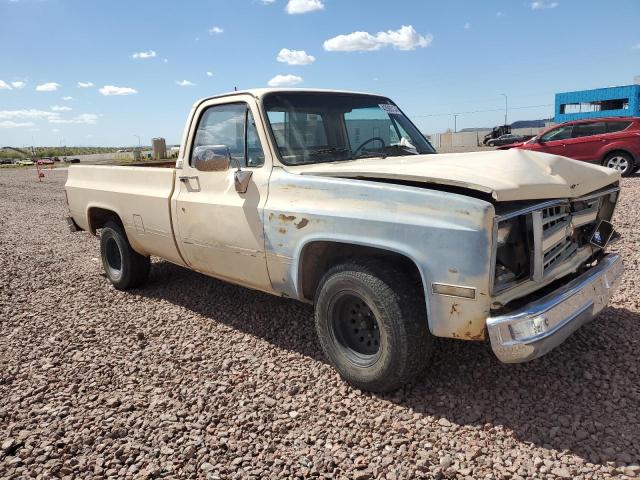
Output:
x,y
329,127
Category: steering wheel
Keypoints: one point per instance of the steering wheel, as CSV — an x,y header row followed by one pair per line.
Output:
x,y
367,142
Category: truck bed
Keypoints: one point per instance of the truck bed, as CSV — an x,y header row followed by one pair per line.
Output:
x,y
139,195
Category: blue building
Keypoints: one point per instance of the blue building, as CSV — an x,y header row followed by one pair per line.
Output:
x,y
601,102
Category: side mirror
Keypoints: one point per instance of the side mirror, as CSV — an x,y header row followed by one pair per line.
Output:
x,y
217,158
212,158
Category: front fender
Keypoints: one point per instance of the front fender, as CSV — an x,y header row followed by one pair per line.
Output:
x,y
447,236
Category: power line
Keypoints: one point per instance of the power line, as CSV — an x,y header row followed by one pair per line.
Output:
x,y
523,107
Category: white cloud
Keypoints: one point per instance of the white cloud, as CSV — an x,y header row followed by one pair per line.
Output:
x,y
18,84
11,124
185,83
58,108
405,38
85,84
540,5
109,90
165,60
67,98
26,114
48,87
295,57
145,54
209,74
467,26
215,30
303,6
284,81
85,118
4,85
267,2
55,130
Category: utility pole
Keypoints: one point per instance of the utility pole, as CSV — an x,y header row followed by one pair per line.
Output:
x,y
455,122
138,139
506,107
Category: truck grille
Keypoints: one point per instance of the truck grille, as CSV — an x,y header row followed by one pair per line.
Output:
x,y
555,232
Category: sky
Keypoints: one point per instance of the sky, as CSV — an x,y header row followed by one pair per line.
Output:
x,y
103,73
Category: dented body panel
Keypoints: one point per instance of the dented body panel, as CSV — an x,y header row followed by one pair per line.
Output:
x,y
437,212
447,236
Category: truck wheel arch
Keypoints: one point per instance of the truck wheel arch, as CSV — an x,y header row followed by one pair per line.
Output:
x,y
97,217
318,256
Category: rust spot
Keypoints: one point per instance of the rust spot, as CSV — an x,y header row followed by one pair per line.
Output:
x,y
282,230
302,223
271,215
453,270
286,218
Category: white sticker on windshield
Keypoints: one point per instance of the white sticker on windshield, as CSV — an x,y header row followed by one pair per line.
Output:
x,y
390,109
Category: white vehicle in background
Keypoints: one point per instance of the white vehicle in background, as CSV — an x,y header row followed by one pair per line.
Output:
x,y
336,199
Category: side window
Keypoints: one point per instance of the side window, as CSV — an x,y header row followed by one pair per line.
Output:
x,y
226,125
221,125
560,133
255,154
613,127
589,129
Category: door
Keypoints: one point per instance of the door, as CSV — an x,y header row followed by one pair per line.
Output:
x,y
586,140
220,231
555,141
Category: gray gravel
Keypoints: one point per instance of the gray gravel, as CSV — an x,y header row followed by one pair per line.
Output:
x,y
191,377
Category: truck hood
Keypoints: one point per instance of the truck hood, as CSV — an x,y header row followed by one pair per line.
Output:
x,y
505,175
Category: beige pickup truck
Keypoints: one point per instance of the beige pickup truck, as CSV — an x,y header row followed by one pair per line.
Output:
x,y
336,199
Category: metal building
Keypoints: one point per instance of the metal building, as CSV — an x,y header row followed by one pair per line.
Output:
x,y
623,101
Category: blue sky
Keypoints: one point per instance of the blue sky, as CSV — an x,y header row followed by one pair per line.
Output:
x,y
433,58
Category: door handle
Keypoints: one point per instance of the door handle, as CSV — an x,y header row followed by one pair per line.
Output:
x,y
186,178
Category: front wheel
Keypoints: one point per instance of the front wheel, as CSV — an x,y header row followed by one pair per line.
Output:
x,y
372,325
125,268
620,161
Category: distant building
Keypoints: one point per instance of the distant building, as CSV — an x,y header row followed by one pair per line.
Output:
x,y
621,101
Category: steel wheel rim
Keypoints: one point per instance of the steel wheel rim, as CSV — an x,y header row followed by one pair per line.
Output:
x,y
618,163
113,257
355,329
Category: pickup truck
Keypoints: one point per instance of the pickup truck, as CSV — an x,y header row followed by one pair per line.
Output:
x,y
336,199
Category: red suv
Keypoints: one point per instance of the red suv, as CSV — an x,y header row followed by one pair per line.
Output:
x,y
613,142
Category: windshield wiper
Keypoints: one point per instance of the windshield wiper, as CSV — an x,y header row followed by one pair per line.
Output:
x,y
403,148
322,151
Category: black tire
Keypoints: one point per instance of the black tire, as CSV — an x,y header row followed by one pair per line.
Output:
x,y
491,144
621,161
125,268
387,307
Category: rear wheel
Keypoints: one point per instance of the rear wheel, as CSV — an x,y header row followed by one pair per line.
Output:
x,y
372,325
620,161
125,268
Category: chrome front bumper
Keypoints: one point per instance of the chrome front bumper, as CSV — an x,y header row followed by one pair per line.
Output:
x,y
542,325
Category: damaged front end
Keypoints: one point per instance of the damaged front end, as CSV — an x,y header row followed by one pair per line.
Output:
x,y
550,272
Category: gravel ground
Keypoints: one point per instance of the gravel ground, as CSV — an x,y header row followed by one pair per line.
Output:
x,y
191,377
